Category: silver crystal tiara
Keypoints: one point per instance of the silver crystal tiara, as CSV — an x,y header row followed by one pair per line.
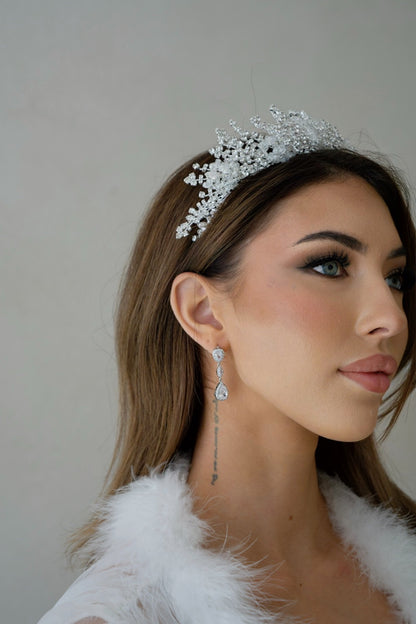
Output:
x,y
245,153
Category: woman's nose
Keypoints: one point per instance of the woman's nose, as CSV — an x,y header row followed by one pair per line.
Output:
x,y
381,311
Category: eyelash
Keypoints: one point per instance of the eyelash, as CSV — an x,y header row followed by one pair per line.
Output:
x,y
314,261
408,277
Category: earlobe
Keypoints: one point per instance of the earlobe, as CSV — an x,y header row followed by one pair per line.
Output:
x,y
191,301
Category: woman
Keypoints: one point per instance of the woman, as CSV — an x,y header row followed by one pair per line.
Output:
x,y
255,349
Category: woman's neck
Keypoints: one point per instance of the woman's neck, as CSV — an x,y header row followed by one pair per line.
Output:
x,y
258,475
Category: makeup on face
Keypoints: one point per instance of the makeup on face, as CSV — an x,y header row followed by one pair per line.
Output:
x,y
321,289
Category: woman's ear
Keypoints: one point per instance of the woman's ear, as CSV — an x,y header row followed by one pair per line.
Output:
x,y
191,299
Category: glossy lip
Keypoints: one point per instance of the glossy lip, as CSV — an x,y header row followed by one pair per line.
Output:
x,y
372,373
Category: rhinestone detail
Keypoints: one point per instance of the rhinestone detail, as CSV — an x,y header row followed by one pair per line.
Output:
x,y
245,153
221,391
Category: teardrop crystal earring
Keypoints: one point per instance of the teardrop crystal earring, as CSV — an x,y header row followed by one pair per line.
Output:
x,y
221,391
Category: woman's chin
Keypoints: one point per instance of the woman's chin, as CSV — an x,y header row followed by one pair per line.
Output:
x,y
355,430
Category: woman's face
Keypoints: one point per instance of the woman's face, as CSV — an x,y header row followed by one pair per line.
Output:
x,y
319,290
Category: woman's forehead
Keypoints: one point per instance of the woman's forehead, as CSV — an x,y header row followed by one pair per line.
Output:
x,y
350,206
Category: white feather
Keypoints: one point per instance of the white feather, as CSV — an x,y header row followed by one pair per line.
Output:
x,y
154,567
382,543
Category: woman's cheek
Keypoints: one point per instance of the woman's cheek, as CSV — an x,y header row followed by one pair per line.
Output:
x,y
308,313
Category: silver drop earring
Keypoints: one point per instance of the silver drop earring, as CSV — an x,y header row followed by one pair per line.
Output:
x,y
221,391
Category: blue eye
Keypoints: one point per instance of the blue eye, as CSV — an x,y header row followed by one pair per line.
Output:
x,y
330,268
401,279
395,280
332,265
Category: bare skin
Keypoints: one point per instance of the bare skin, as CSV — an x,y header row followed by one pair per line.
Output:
x,y
282,519
287,330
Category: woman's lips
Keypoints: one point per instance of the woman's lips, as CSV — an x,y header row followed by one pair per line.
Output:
x,y
372,373
375,382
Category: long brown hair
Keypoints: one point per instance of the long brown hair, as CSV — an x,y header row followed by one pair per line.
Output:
x,y
160,373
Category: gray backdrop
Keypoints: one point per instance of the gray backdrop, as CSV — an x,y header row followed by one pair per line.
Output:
x,y
100,100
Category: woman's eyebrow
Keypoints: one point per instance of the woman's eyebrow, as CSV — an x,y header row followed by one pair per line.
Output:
x,y
349,241
339,237
397,253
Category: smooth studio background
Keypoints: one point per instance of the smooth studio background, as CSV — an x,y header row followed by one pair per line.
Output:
x,y
100,100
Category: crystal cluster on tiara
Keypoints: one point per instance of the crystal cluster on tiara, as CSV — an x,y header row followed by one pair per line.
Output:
x,y
246,153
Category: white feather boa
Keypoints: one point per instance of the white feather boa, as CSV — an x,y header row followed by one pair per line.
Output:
x,y
154,566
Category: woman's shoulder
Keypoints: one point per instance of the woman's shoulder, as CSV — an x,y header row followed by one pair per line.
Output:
x,y
153,564
140,524
361,522
383,543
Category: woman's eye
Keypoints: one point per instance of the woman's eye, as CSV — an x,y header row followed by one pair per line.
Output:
x,y
402,280
395,280
331,268
329,265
